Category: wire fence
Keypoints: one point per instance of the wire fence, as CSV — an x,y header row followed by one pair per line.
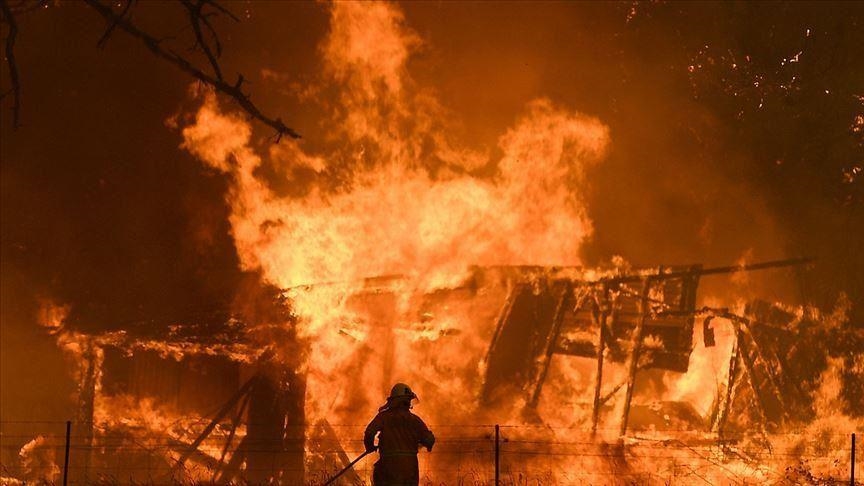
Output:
x,y
35,453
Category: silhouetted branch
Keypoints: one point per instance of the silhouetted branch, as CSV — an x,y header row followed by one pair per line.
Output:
x,y
154,45
220,8
196,18
25,6
9,19
104,39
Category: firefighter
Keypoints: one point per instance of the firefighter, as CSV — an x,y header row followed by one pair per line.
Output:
x,y
400,435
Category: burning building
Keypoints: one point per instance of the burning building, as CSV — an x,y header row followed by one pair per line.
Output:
x,y
390,246
221,397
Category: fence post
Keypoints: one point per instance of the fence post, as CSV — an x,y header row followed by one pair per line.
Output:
x,y
66,457
852,473
497,454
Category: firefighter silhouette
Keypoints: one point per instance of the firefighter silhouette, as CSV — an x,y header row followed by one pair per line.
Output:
x,y
400,435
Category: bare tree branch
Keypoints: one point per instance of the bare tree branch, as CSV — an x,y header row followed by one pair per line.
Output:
x,y
233,91
104,39
217,6
26,6
205,19
195,20
9,19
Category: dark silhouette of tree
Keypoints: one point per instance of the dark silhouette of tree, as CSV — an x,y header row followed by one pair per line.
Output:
x,y
200,14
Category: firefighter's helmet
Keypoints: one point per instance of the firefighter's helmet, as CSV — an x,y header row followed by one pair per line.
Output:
x,y
401,390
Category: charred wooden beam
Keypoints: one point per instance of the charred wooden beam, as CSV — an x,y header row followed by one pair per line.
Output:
x,y
197,456
635,350
238,416
232,469
725,402
605,398
525,326
501,321
220,415
638,277
86,405
603,308
330,436
768,392
771,389
552,339
265,429
747,364
293,462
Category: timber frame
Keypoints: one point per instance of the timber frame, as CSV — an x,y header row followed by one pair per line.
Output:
x,y
623,313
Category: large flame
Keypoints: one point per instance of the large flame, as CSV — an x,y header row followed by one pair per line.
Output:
x,y
396,196
411,204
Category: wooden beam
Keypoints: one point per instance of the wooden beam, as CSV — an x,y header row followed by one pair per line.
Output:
x,y
87,396
232,469
234,423
330,436
729,394
558,319
601,348
229,405
635,351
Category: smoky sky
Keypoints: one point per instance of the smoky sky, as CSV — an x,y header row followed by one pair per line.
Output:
x,y
102,210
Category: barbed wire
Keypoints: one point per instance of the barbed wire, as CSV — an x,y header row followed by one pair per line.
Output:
x,y
460,426
463,454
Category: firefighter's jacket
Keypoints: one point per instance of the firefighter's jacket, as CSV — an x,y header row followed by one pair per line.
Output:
x,y
401,435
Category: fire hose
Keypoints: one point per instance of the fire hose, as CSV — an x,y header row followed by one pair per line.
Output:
x,y
349,466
